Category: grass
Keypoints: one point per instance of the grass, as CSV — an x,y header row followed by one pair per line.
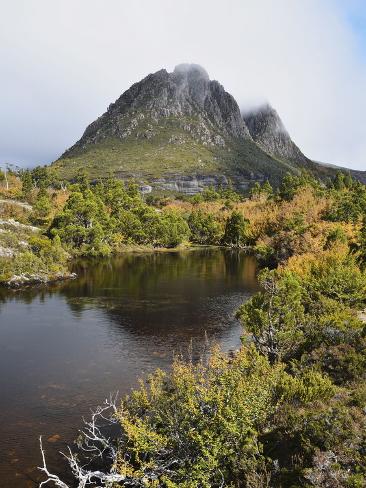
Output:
x,y
153,158
146,159
136,157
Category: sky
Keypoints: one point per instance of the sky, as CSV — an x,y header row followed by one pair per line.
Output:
x,y
62,62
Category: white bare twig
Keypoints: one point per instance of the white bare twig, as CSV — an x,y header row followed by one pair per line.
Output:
x,y
96,445
50,477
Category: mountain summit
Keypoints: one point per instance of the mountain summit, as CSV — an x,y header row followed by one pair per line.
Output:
x,y
182,131
185,94
268,131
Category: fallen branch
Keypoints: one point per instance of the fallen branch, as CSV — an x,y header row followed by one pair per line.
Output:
x,y
93,444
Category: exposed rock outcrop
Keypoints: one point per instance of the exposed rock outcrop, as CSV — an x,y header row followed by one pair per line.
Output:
x,y
185,94
186,125
268,131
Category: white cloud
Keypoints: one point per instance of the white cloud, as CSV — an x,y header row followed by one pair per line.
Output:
x,y
63,62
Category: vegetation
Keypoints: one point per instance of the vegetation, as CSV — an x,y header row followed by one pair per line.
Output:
x,y
154,149
43,260
288,409
236,231
204,228
106,217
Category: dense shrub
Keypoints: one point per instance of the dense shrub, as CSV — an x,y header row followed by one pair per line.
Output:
x,y
198,425
236,232
205,229
42,260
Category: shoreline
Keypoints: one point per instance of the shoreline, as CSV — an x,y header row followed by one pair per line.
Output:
x,y
27,281
21,282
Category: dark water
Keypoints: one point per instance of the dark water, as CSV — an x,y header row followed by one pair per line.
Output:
x,y
64,348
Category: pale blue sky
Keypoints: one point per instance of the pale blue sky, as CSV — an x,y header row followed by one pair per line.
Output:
x,y
63,62
354,12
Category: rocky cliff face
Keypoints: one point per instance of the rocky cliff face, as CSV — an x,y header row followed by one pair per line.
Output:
x,y
201,108
182,131
268,131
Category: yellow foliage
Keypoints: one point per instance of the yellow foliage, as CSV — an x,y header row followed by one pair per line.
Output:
x,y
302,264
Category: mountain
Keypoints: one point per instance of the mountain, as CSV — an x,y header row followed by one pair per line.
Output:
x,y
268,131
182,131
355,173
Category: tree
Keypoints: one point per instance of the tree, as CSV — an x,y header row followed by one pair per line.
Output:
x,y
128,225
348,206
209,194
348,180
339,181
173,229
267,189
83,224
4,176
236,230
291,184
40,177
275,316
205,229
362,246
81,179
27,183
41,208
257,190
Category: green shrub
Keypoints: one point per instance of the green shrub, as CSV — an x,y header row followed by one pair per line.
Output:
x,y
236,232
205,229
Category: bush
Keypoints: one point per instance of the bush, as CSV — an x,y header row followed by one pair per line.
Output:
x,y
198,425
236,231
274,317
205,229
83,225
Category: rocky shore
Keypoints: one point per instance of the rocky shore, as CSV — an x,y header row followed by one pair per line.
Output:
x,y
25,280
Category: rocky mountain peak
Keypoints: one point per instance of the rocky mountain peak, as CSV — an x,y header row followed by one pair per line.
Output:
x,y
268,131
201,108
264,119
179,128
191,71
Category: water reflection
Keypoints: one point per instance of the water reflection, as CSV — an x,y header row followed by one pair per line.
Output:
x,y
63,348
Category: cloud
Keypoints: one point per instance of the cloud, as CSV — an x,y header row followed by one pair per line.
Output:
x,y
64,62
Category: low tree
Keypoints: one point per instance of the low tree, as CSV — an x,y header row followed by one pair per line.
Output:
x,y
40,177
291,184
274,317
41,208
205,229
197,426
258,190
236,231
362,244
83,224
27,183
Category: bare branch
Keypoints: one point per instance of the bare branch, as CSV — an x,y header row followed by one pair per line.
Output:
x,y
94,444
50,477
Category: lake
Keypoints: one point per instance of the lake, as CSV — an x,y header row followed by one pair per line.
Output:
x,y
65,347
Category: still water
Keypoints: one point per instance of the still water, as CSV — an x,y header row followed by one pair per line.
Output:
x,y
64,348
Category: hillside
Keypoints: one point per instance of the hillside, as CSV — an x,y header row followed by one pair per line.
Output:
x,y
182,131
